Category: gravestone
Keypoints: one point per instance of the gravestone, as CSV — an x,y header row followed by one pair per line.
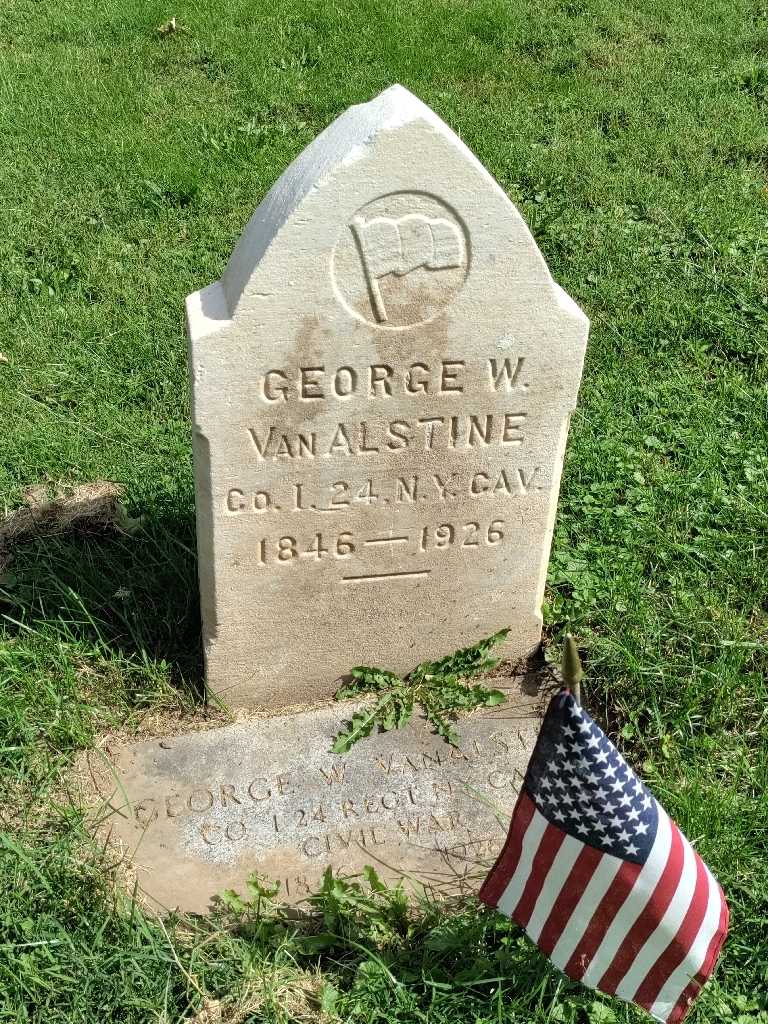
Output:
x,y
382,381
199,813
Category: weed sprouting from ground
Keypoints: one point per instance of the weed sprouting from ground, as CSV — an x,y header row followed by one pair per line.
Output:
x,y
439,688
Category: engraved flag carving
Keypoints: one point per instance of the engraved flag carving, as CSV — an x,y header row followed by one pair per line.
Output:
x,y
389,245
601,879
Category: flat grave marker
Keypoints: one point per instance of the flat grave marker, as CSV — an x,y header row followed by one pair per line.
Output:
x,y
199,813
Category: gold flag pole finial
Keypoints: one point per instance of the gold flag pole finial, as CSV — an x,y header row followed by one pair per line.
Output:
x,y
573,673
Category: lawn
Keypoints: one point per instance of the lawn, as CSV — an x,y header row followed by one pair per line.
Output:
x,y
634,140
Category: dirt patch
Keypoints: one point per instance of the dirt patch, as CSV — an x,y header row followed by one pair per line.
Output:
x,y
59,510
297,993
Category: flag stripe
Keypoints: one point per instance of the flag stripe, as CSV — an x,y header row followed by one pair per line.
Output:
x,y
644,927
693,939
549,845
600,883
506,862
623,910
672,1004
557,877
514,890
573,890
618,891
684,1002
717,940
657,945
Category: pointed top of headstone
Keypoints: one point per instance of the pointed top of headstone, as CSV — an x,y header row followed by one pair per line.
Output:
x,y
348,141
393,106
343,142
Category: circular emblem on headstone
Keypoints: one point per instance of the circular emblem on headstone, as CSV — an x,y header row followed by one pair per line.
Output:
x,y
401,259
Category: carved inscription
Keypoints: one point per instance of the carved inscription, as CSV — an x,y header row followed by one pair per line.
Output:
x,y
203,811
374,441
402,490
428,434
409,797
381,380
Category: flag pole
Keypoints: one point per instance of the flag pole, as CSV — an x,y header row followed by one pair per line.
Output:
x,y
573,673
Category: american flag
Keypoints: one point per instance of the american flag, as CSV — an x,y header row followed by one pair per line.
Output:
x,y
601,879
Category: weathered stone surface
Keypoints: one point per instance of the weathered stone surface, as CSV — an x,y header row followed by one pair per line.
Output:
x,y
200,812
382,381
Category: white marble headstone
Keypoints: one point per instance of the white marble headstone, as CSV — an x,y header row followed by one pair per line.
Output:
x,y
382,381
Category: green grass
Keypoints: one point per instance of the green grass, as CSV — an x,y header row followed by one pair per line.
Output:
x,y
634,140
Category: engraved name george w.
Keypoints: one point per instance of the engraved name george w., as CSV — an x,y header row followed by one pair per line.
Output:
x,y
401,245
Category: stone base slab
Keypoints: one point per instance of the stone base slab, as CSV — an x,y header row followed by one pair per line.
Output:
x,y
200,812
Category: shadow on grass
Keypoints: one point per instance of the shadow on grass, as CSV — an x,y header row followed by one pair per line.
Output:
x,y
133,593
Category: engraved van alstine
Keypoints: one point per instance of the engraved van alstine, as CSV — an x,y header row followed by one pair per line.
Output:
x,y
427,433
